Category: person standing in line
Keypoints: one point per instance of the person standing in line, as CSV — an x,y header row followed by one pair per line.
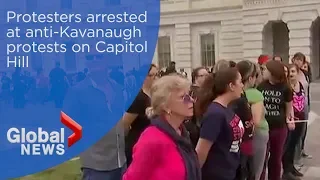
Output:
x,y
300,59
289,171
164,150
221,130
279,113
135,120
261,126
263,59
249,114
198,77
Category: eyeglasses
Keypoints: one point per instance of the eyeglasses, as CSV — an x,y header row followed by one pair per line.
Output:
x,y
189,98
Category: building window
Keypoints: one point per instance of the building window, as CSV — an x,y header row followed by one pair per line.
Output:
x,y
66,4
70,62
31,5
164,51
207,50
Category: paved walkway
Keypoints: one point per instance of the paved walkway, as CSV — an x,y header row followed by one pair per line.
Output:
x,y
311,168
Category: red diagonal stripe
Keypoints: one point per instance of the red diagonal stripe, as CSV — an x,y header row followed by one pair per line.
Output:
x,y
74,126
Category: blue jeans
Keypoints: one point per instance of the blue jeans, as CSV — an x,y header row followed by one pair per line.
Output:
x,y
91,174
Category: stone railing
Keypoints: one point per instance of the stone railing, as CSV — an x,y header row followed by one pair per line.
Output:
x,y
267,2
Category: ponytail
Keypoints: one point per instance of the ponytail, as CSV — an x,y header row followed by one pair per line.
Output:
x,y
214,85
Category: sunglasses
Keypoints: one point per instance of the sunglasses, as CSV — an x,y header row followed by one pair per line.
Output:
x,y
189,98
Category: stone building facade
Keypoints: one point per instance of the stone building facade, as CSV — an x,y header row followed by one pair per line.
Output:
x,y
240,29
200,32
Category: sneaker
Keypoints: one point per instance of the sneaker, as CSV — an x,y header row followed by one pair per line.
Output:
x,y
299,164
290,176
295,172
305,155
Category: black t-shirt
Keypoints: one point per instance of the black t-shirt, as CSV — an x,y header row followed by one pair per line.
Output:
x,y
242,108
222,127
275,98
139,106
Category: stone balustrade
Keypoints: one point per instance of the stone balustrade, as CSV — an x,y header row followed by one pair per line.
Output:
x,y
267,2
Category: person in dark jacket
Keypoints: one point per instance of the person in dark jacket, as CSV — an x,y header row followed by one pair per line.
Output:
x,y
193,125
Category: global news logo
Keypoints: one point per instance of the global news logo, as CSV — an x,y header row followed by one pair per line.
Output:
x,y
42,142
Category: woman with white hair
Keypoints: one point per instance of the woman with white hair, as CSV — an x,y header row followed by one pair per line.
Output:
x,y
164,150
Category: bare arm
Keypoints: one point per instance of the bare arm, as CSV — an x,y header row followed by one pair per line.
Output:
x,y
257,110
202,150
289,110
290,116
128,119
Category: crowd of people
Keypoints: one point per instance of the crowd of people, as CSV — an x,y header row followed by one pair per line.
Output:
x,y
235,121
21,88
243,120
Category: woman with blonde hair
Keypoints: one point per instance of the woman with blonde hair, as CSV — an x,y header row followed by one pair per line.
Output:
x,y
164,150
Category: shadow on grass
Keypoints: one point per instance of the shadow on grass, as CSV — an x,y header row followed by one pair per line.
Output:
x,y
69,170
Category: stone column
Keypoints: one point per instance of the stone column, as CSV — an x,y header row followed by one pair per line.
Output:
x,y
299,37
253,26
182,46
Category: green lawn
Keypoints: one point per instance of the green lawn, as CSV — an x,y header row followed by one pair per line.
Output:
x,y
69,170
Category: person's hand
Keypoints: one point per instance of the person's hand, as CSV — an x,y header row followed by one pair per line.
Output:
x,y
291,124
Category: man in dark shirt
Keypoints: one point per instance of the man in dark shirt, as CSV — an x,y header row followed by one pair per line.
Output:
x,y
58,80
135,119
171,69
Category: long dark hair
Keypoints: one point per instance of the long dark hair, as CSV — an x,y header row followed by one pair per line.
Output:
x,y
247,69
195,73
276,70
215,85
299,55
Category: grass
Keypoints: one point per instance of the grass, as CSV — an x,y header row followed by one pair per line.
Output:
x,y
69,170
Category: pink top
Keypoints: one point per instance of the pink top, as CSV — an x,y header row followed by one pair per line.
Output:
x,y
155,157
